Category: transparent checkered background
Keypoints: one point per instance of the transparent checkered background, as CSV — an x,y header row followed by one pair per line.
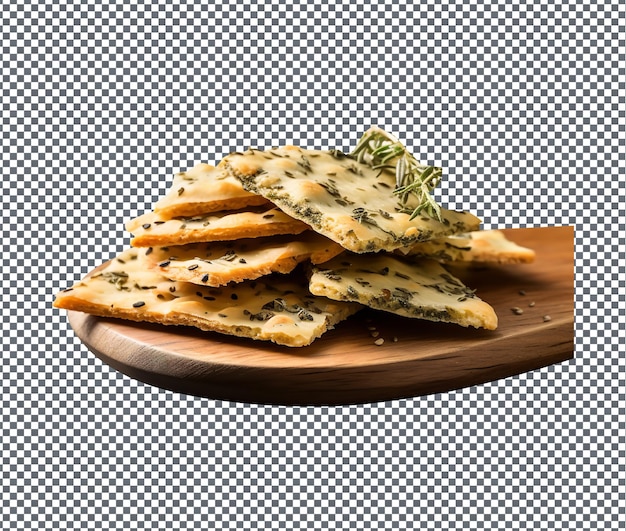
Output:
x,y
523,104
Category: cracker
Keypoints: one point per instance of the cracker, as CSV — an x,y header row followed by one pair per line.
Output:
x,y
282,311
217,264
203,189
346,201
478,246
151,229
423,290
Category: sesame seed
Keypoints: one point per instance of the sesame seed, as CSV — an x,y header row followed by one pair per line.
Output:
x,y
546,318
192,267
517,311
205,278
138,304
379,341
146,226
531,304
522,292
164,264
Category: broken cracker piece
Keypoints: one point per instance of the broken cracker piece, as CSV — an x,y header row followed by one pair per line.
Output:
x,y
477,246
281,311
203,189
423,290
217,264
345,200
151,230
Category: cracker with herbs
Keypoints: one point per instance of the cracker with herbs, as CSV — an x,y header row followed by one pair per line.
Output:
x,y
203,189
151,229
485,246
280,310
423,290
351,202
217,264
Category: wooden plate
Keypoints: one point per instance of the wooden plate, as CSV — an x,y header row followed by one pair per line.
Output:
x,y
345,366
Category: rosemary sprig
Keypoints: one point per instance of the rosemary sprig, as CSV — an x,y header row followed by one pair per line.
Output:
x,y
381,150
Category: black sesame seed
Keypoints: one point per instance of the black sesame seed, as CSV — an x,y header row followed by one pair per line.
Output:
x,y
148,251
205,278
146,226
164,264
139,304
234,296
192,267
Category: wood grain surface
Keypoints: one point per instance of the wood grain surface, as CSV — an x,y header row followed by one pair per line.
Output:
x,y
345,366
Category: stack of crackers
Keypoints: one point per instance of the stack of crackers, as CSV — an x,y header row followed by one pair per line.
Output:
x,y
283,244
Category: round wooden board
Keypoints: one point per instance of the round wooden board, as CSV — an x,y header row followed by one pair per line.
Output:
x,y
345,366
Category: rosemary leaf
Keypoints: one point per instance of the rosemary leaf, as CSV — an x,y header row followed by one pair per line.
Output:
x,y
381,150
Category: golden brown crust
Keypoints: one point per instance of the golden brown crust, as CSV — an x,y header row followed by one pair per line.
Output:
x,y
152,230
203,189
217,264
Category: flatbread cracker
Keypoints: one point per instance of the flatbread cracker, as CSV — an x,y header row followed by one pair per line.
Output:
x,y
203,189
478,246
151,229
384,282
346,201
283,312
217,264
